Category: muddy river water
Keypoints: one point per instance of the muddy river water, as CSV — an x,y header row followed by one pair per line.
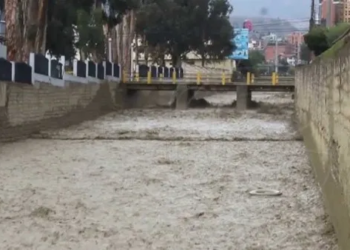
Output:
x,y
165,179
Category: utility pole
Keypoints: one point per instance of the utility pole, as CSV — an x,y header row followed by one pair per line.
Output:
x,y
298,51
276,55
312,15
312,22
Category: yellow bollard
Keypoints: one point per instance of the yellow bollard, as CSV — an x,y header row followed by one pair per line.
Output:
x,y
161,76
274,78
137,76
174,76
198,78
149,77
248,78
223,80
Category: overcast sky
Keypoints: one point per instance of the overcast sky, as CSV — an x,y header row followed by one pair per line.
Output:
x,y
287,9
297,12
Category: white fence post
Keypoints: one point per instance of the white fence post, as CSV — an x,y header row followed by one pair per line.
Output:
x,y
32,64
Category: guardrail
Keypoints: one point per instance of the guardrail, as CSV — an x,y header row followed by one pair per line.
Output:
x,y
206,78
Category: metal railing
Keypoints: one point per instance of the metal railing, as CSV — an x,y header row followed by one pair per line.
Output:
x,y
222,78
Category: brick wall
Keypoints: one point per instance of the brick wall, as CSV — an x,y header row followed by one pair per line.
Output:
x,y
26,109
323,111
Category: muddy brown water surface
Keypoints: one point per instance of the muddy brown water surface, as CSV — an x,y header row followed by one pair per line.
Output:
x,y
164,179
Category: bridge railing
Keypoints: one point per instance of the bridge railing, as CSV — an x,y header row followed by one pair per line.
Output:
x,y
206,77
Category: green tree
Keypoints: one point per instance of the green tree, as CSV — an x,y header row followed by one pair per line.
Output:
x,y
321,39
256,58
178,26
164,23
115,9
316,40
67,18
62,19
336,31
91,38
213,32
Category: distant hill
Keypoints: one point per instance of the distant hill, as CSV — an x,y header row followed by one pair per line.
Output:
x,y
264,26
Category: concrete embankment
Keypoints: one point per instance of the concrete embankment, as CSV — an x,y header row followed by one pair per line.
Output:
x,y
323,111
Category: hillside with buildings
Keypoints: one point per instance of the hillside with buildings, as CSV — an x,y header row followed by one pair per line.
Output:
x,y
287,47
264,26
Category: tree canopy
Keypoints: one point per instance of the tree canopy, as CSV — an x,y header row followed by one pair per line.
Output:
x,y
178,26
256,58
321,39
68,18
53,25
170,27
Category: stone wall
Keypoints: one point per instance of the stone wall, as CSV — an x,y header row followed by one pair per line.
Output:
x,y
323,111
26,109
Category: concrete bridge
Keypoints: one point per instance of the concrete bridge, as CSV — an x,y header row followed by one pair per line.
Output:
x,y
186,88
186,91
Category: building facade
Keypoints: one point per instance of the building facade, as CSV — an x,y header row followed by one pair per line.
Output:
x,y
336,10
346,11
284,50
295,38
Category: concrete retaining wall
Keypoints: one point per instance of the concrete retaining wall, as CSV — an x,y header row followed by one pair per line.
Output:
x,y
323,111
26,109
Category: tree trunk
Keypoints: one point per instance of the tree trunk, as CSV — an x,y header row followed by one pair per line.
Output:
x,y
131,39
136,49
122,37
175,60
146,52
125,44
13,35
118,45
114,45
107,36
40,39
26,23
82,55
163,60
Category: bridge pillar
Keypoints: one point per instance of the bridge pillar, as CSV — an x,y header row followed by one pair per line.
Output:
x,y
244,97
181,96
120,96
190,95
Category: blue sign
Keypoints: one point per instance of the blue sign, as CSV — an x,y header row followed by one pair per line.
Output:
x,y
241,40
